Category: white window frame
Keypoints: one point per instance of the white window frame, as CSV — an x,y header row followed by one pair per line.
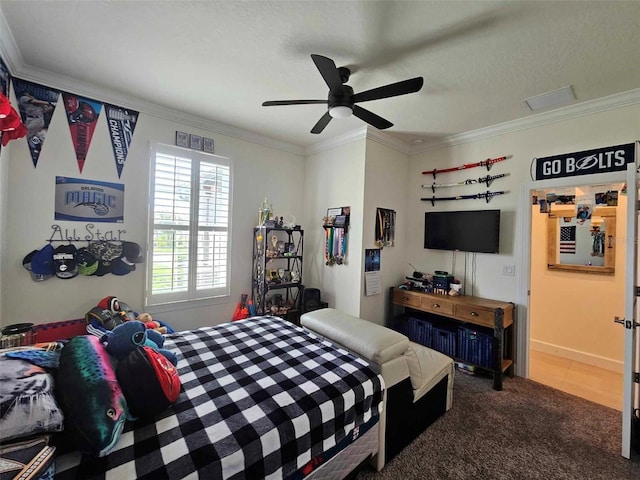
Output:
x,y
192,296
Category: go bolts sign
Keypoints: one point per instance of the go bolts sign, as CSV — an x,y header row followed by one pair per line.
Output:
x,y
601,160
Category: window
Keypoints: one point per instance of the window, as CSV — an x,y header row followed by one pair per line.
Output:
x,y
189,226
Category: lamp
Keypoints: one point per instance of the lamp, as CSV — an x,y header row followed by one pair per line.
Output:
x,y
340,111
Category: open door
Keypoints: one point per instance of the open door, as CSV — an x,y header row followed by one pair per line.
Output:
x,y
630,420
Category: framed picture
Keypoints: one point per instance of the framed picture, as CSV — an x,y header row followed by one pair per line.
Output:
x,y
207,145
182,139
196,142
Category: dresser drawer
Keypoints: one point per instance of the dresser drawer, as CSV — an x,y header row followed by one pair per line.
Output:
x,y
469,313
437,305
406,299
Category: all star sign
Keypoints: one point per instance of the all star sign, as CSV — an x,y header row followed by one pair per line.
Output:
x,y
587,162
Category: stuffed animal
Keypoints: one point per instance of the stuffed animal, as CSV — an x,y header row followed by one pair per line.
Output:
x,y
151,324
126,337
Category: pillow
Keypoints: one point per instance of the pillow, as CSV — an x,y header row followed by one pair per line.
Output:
x,y
27,459
27,402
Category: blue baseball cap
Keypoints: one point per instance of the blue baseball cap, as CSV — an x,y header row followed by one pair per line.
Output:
x,y
40,264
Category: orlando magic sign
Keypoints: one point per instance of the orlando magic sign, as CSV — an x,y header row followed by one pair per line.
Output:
x,y
87,200
587,162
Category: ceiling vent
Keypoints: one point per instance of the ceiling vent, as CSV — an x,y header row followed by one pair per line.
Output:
x,y
554,98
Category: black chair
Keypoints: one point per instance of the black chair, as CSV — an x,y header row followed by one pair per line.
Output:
x,y
311,300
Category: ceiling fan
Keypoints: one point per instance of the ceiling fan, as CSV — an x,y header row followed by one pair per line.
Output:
x,y
342,101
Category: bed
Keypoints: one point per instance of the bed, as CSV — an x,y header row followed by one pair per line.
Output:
x,y
260,398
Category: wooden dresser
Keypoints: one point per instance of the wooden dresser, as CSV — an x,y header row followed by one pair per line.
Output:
x,y
493,314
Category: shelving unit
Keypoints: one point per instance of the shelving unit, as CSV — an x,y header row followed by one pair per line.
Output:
x,y
463,310
277,271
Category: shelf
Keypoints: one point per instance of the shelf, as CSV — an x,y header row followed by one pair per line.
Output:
x,y
273,286
268,243
495,316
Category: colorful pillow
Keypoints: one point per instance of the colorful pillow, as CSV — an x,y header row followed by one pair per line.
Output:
x,y
27,402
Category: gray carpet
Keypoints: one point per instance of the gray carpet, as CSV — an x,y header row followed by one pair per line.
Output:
x,y
527,431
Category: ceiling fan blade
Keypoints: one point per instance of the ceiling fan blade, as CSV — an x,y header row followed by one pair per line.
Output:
x,y
272,103
392,90
371,118
329,72
323,122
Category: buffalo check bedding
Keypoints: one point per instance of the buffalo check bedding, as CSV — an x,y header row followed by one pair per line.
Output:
x,y
260,398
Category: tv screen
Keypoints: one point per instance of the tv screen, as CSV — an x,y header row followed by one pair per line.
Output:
x,y
467,231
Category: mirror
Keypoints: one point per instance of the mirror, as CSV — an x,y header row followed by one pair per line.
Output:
x,y
582,244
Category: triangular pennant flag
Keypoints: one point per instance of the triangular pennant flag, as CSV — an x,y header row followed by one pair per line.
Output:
x,y
37,104
82,115
122,123
5,78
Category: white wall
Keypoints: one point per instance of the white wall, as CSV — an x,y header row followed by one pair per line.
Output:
x,y
259,171
604,128
335,178
385,186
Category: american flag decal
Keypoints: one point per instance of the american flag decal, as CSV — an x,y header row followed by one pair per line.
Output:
x,y
568,239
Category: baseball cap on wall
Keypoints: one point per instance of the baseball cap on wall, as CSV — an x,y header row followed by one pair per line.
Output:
x,y
87,262
132,252
122,266
43,262
65,263
40,263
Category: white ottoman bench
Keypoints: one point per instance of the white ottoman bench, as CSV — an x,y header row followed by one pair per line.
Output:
x,y
418,380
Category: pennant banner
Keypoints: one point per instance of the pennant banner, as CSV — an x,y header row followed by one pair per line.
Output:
x,y
82,115
5,78
122,123
37,104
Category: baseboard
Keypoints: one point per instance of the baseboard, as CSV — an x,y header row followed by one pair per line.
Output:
x,y
583,357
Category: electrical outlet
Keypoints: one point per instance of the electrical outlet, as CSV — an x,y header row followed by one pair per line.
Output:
x,y
509,270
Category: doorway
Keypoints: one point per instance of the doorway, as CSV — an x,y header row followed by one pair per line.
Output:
x,y
573,343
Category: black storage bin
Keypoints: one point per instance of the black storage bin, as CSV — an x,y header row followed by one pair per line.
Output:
x,y
421,331
401,324
444,339
475,346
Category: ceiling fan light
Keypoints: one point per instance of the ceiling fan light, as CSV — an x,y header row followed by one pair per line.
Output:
x,y
340,111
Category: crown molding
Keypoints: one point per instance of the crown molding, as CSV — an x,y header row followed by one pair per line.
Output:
x,y
618,100
389,141
330,143
358,134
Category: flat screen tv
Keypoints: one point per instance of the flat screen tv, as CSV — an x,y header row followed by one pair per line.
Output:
x,y
467,231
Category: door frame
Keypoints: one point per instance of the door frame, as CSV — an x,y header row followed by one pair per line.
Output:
x,y
523,253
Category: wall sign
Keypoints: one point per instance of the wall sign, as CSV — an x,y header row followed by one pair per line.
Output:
x,y
89,200
587,162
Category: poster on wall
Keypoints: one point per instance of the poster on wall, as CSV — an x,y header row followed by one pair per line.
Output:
x,y
586,162
385,227
82,116
82,200
372,278
122,123
37,104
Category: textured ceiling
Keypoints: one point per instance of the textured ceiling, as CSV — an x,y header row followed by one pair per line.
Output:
x,y
221,59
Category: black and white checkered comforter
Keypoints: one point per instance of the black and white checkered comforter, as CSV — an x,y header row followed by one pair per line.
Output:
x,y
260,399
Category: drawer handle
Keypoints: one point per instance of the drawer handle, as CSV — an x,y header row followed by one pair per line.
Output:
x,y
474,314
405,298
436,305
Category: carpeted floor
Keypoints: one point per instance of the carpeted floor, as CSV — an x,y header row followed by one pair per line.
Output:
x,y
527,431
